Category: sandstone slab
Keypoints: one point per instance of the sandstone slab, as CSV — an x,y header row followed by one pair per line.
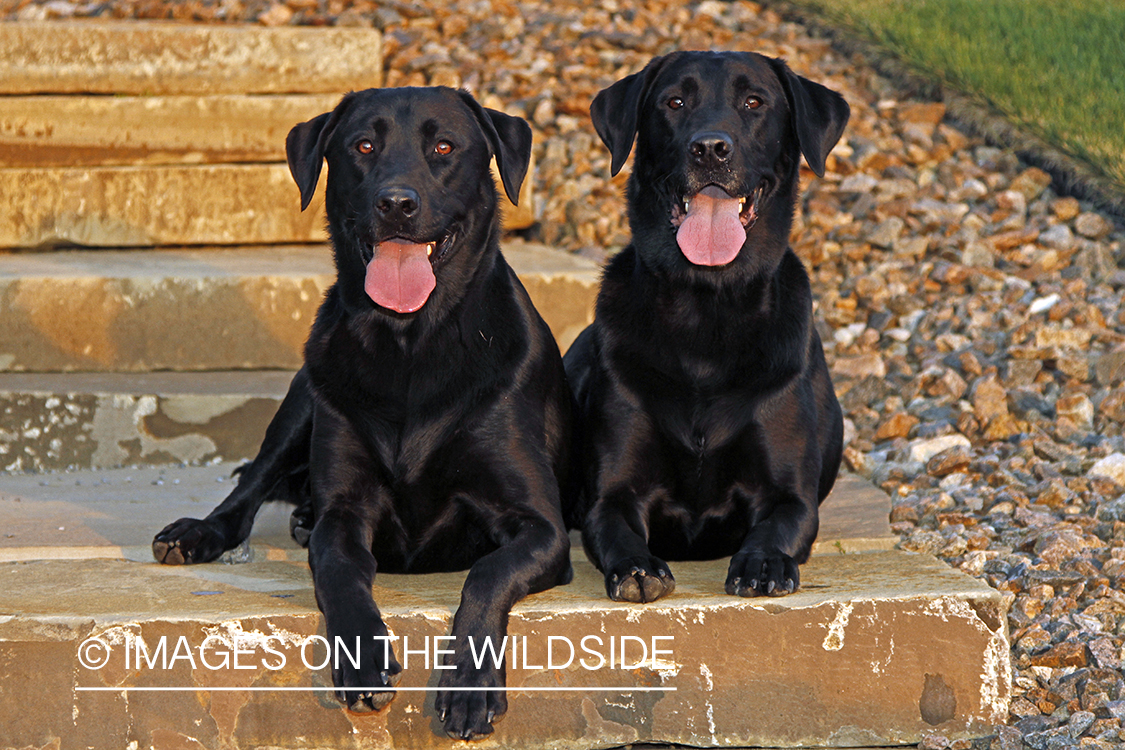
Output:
x,y
207,204
876,649
63,131
114,513
230,204
150,58
815,668
44,138
54,421
211,309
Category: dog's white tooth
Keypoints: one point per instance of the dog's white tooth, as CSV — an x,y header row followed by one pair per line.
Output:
x,y
430,249
741,204
687,205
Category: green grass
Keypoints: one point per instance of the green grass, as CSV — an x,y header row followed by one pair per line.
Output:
x,y
1054,68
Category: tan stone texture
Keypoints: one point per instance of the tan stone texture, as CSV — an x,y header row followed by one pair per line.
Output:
x,y
877,649
140,207
77,138
211,309
164,58
66,131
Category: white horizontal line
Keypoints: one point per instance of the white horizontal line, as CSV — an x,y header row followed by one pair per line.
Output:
x,y
228,689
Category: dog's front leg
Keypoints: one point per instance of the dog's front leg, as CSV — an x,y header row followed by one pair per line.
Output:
x,y
615,534
349,500
283,457
536,557
767,563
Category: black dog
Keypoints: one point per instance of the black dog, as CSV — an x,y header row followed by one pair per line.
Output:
x,y
428,429
709,424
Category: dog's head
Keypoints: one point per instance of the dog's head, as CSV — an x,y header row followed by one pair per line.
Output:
x,y
719,140
410,198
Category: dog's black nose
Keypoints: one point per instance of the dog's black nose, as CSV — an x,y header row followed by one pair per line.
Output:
x,y
397,202
711,148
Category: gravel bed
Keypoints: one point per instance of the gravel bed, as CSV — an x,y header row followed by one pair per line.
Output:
x,y
973,319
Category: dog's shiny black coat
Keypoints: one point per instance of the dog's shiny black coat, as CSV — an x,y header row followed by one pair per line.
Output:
x,y
420,442
709,425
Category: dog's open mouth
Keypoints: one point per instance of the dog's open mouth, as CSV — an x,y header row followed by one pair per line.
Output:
x,y
711,225
400,273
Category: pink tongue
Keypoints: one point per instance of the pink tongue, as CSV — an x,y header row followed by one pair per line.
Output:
x,y
711,234
399,277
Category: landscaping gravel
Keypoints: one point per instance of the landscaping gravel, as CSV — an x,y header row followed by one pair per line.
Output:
x,y
973,318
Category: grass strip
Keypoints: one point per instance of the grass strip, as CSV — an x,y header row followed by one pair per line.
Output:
x,y
1054,69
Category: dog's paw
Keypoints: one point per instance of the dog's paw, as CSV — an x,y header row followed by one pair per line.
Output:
x,y
470,714
301,523
639,579
187,541
756,573
361,688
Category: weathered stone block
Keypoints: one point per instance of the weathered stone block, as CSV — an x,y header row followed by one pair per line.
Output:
x,y
96,131
211,309
66,131
875,650
163,58
142,206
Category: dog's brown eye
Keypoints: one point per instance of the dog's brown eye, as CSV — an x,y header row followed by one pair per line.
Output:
x,y
675,103
365,147
443,148
753,102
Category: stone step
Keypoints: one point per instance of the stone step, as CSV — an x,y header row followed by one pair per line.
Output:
x,y
876,648
154,58
183,94
139,206
97,131
142,170
211,308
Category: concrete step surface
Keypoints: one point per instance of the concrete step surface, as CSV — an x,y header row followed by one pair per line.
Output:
x,y
876,648
211,308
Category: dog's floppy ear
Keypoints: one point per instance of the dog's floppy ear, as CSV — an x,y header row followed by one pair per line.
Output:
x,y
510,138
304,149
615,110
819,115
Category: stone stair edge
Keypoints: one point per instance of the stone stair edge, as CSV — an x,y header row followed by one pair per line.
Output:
x,y
160,57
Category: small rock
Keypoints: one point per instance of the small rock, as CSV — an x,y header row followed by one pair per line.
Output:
x,y
978,255
859,182
947,462
1111,467
1058,237
1031,182
898,425
928,113
923,450
934,741
1078,408
277,15
1079,723
1065,654
1065,338
886,232
1106,654
1065,208
1043,304
1109,368
1092,225
861,366
990,399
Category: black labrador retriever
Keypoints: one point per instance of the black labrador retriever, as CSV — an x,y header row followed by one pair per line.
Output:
x,y
429,428
709,425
